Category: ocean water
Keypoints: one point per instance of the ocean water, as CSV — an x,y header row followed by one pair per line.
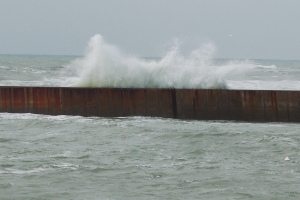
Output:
x,y
74,157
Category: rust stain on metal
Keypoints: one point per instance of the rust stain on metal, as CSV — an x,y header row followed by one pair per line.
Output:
x,y
174,104
6,99
273,99
195,104
244,105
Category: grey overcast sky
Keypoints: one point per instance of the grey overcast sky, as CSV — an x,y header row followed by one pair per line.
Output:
x,y
244,29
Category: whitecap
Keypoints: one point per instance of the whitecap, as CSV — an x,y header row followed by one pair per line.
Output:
x,y
104,65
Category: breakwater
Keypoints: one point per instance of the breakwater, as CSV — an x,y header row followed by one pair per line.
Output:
x,y
200,104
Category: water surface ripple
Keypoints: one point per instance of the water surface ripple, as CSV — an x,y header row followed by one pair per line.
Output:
x,y
65,157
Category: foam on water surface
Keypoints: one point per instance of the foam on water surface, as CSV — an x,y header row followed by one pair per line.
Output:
x,y
155,157
104,65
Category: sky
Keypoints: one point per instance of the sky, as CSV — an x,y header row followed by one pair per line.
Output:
x,y
241,29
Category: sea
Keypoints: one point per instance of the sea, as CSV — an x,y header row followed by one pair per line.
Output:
x,y
139,157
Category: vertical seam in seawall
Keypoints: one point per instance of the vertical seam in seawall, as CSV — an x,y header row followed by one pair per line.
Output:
x,y
174,103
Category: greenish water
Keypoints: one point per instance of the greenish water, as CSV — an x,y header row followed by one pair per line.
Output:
x,y
63,157
72,157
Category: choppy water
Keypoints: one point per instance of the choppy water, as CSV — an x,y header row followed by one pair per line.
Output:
x,y
29,70
64,157
72,157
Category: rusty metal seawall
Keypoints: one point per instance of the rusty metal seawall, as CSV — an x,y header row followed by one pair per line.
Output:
x,y
240,105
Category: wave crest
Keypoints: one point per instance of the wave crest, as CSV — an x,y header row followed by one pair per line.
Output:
x,y
104,65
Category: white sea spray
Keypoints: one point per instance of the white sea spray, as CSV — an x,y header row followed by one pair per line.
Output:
x,y
104,65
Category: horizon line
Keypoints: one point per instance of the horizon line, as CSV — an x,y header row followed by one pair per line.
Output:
x,y
217,58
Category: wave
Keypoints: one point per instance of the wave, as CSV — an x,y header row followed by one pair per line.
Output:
x,y
104,65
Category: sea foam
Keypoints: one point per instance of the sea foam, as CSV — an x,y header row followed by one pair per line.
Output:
x,y
104,65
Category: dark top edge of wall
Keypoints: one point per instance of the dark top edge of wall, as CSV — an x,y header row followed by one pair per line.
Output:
x,y
107,88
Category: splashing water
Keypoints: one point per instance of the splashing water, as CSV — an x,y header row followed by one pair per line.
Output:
x,y
106,66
